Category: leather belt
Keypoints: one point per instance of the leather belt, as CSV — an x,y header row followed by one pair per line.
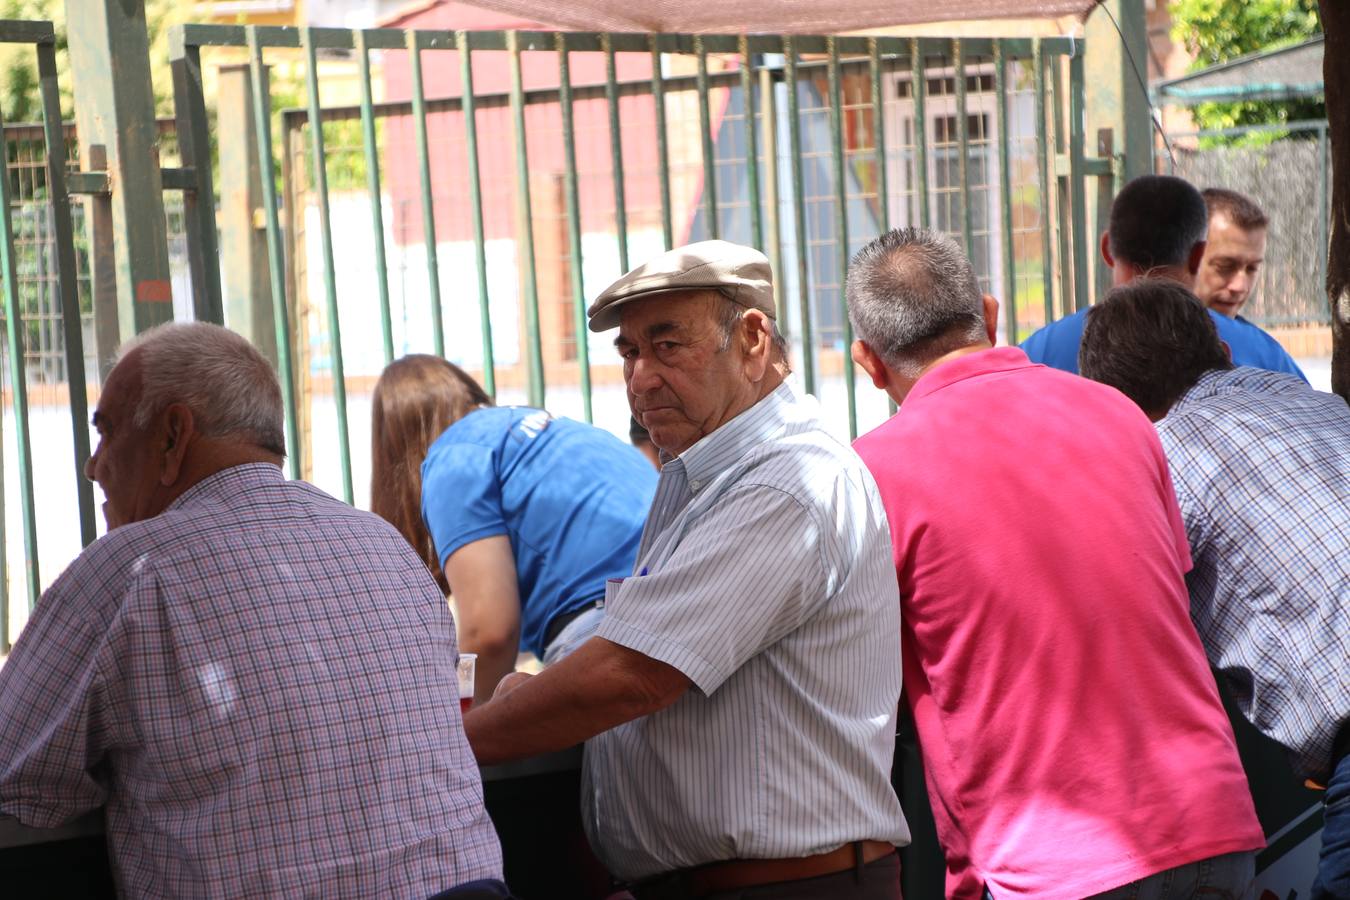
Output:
x,y
561,621
738,874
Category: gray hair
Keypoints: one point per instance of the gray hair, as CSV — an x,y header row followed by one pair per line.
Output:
x,y
912,296
229,386
729,315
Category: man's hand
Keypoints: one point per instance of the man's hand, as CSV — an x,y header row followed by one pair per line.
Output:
x,y
601,685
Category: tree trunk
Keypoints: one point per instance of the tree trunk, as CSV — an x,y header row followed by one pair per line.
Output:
x,y
1336,74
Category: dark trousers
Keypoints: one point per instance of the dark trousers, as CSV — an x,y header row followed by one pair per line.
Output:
x,y
878,880
1333,870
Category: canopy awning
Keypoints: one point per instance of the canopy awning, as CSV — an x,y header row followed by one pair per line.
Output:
x,y
774,16
1287,73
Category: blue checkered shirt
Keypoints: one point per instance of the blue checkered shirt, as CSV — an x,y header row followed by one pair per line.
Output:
x,y
259,686
1261,465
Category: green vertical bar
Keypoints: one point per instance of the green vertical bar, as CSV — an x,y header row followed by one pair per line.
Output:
x,y
799,217
419,106
71,327
705,129
751,143
662,151
372,159
1005,191
525,224
1043,173
879,142
476,209
276,254
616,151
1077,188
841,221
768,93
573,220
963,142
879,135
13,328
918,86
1061,193
199,203
329,276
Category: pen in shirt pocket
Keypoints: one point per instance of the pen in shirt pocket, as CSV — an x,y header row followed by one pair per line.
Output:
x,y
612,585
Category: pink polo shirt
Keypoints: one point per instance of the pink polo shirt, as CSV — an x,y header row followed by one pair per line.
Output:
x,y
1070,727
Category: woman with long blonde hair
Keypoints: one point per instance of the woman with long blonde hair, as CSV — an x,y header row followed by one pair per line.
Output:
x,y
522,516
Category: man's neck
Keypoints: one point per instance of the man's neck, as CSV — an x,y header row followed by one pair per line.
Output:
x,y
899,385
212,457
1125,272
955,354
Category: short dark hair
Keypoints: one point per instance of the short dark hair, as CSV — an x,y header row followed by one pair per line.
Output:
x,y
1156,220
1151,340
913,296
1240,209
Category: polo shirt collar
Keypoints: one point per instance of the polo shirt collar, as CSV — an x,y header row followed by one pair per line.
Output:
x,y
716,452
984,362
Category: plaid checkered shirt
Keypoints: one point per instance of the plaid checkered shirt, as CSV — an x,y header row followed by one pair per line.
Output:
x,y
258,685
1261,466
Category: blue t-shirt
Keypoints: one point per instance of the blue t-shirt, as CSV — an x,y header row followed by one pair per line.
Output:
x,y
1056,345
571,497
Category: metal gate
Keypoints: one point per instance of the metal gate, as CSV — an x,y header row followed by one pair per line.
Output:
x,y
467,192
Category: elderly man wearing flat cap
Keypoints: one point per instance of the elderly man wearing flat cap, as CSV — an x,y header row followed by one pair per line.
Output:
x,y
739,700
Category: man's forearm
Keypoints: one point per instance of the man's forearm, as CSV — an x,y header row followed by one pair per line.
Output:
x,y
494,663
599,686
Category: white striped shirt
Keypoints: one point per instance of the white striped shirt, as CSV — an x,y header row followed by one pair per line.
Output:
x,y
765,576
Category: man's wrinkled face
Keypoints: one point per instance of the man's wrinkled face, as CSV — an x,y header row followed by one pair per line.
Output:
x,y
1232,262
125,464
683,383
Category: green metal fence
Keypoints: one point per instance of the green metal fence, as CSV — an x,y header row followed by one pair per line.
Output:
x,y
572,155
42,37
467,192
49,357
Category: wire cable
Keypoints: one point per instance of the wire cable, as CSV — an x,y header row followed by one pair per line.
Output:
x,y
1153,111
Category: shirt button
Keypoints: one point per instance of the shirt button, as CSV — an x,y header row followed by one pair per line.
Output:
x,y
695,485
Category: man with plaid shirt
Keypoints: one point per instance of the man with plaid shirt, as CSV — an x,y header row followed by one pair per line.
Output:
x,y
255,682
1261,467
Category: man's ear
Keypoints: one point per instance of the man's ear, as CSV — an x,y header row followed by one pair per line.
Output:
x,y
871,363
991,319
177,433
756,336
1106,251
1197,254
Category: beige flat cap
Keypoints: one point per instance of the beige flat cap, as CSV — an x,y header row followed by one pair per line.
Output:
x,y
742,274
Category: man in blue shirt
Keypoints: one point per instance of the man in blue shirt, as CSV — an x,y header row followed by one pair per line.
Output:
x,y
1157,228
1260,463
1235,248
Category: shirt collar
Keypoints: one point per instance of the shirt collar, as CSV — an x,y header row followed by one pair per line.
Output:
x,y
228,482
1239,379
715,452
984,362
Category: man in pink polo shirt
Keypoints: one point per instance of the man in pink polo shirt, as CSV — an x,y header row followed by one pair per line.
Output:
x,y
1071,731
